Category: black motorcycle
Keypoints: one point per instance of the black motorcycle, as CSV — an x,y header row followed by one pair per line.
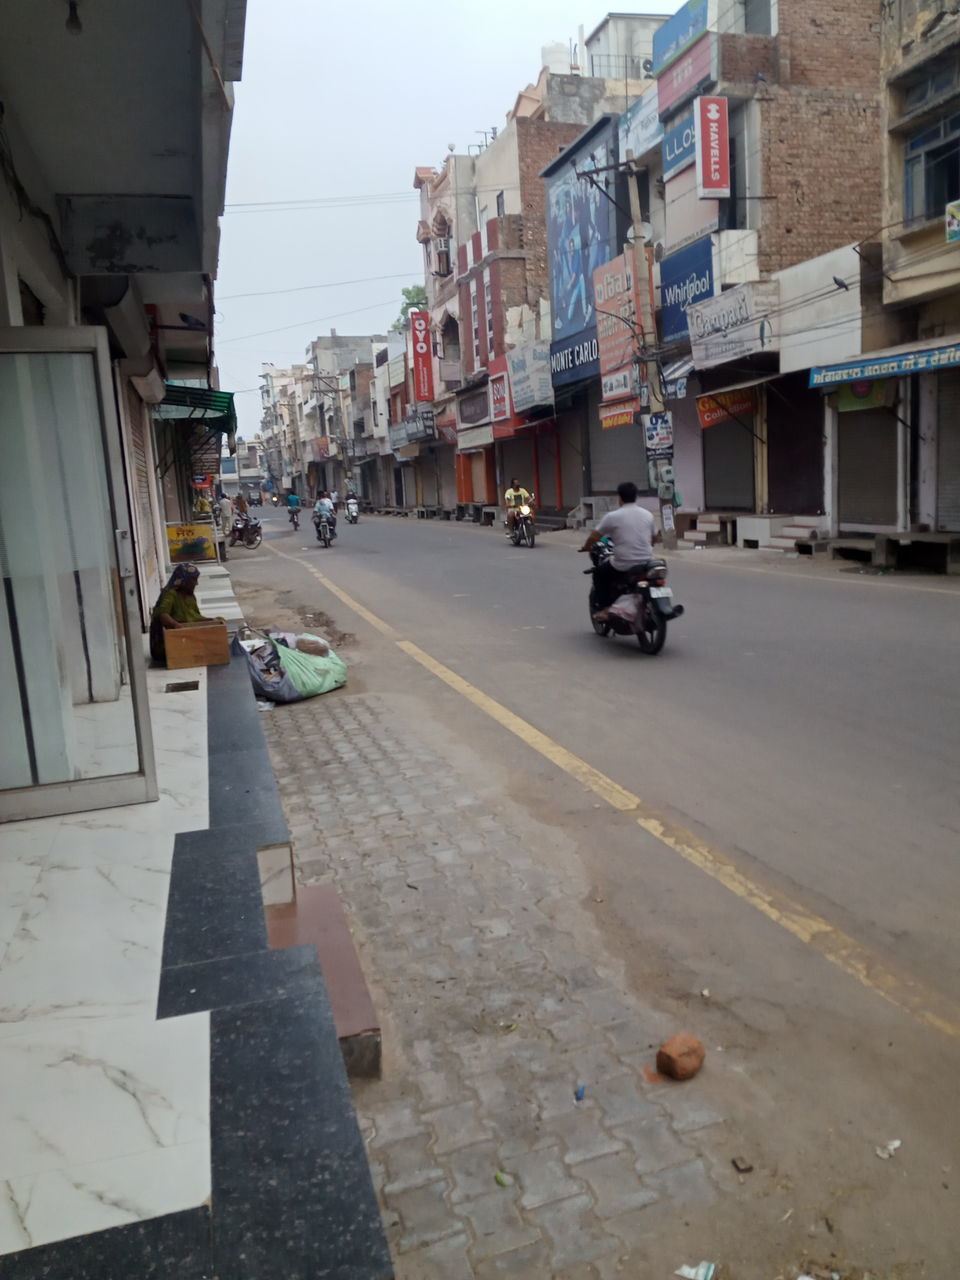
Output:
x,y
247,531
323,527
644,606
524,531
294,518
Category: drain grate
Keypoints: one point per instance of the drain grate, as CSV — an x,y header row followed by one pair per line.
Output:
x,y
182,686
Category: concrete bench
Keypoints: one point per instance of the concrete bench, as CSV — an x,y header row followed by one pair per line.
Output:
x,y
942,550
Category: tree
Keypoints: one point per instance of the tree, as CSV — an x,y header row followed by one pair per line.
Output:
x,y
414,299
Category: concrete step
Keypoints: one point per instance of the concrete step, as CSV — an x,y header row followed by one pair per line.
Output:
x,y
781,542
708,524
702,537
808,532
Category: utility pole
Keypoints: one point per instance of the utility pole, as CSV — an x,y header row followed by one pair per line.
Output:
x,y
648,325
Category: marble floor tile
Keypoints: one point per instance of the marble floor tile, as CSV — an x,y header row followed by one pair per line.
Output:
x,y
78,1199
81,1093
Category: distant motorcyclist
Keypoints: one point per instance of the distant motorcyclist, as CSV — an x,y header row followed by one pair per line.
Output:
x,y
293,508
633,531
514,498
324,504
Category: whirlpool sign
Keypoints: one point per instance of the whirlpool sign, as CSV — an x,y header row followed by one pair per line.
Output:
x,y
686,277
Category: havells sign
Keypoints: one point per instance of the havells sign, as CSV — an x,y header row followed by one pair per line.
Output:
x,y
713,148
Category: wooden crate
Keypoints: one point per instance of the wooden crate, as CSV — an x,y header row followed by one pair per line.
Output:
x,y
199,644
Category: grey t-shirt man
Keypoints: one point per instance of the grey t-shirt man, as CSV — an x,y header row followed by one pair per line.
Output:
x,y
631,529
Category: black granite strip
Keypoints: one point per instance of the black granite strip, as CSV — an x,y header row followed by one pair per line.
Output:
x,y
239,980
177,1246
292,1193
215,907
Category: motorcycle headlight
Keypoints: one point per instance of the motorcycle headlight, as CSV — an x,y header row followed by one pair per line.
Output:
x,y
524,511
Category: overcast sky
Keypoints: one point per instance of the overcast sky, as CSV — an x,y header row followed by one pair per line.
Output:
x,y
344,101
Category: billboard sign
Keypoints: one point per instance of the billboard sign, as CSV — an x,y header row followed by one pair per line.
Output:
x,y
736,323
658,434
615,294
686,278
687,76
575,359
726,405
499,398
681,31
640,129
713,148
581,229
530,381
422,357
679,146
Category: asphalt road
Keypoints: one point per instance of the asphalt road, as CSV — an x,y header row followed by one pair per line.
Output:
x,y
804,722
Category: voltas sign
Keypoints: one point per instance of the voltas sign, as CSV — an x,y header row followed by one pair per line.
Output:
x,y
713,148
422,357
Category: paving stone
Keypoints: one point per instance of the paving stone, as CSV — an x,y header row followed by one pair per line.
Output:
x,y
621,1099
473,1170
446,1260
654,1146
530,1263
687,1108
615,1184
395,1122
543,1177
686,1185
443,1086
456,1126
424,1216
496,1224
574,1232
583,1136
409,1164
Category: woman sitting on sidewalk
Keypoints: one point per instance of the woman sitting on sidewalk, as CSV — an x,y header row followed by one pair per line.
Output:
x,y
176,607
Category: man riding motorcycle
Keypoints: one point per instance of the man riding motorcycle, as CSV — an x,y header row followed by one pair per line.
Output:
x,y
633,531
514,498
324,503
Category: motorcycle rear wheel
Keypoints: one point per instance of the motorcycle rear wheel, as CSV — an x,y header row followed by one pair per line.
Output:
x,y
254,541
653,634
601,628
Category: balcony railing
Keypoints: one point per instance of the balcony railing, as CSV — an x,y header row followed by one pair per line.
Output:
x,y
617,66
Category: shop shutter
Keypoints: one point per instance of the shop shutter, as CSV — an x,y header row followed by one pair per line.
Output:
x,y
948,451
728,476
616,454
867,467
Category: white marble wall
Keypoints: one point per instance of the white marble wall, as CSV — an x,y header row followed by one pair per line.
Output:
x,y
104,1112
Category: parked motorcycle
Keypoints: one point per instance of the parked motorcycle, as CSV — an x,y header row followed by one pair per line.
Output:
x,y
353,511
324,530
645,604
246,530
524,532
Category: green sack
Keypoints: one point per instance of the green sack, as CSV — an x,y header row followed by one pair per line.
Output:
x,y
311,675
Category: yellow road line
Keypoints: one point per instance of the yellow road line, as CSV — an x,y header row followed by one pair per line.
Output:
x,y
846,953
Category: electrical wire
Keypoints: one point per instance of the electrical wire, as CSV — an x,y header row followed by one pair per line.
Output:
x,y
305,288
303,324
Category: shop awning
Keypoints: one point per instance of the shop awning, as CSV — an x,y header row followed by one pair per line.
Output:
x,y
212,410
735,401
890,362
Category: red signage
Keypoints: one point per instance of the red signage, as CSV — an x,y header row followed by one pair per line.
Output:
x,y
499,398
726,405
713,148
684,78
422,357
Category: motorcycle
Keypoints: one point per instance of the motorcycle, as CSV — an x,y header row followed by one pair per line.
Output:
x,y
294,518
523,533
247,531
275,500
324,531
644,606
353,511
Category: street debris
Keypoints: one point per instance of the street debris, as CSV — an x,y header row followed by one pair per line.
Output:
x,y
741,1165
680,1057
787,1216
705,1271
705,993
651,1076
507,1027
411,885
579,1092
503,1179
891,1148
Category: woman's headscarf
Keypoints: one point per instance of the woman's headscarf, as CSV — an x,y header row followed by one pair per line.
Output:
x,y
182,573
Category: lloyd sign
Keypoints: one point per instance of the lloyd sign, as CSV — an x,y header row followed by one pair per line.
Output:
x,y
422,357
713,148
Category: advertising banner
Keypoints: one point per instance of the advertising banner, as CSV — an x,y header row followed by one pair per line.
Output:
x,y
575,358
473,407
888,365
736,323
679,146
422,357
713,148
499,398
640,129
686,277
686,77
725,405
679,32
618,415
658,434
615,294
186,542
581,231
530,381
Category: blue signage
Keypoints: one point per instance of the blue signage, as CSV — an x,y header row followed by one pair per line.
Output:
x,y
893,365
677,35
686,277
575,359
679,147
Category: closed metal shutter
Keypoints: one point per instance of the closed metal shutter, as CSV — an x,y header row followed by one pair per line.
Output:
x,y
948,451
728,476
867,467
616,454
143,527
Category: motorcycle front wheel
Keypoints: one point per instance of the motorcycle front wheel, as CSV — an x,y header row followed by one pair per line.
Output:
x,y
253,541
653,632
531,536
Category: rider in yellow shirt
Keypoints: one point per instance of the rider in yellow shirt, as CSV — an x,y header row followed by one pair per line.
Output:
x,y
515,498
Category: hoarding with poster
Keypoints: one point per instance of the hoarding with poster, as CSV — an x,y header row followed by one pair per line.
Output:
x,y
713,148
725,405
615,296
686,77
499,398
422,357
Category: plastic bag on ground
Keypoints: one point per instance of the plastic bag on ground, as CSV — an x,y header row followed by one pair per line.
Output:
x,y
313,675
269,679
314,645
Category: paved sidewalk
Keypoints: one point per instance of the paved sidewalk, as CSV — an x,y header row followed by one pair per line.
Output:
x,y
492,1019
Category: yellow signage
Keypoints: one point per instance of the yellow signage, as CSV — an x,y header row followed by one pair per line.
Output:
x,y
191,542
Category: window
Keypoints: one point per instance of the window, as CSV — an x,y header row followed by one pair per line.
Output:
x,y
935,83
441,246
488,298
758,17
475,322
501,205
932,170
